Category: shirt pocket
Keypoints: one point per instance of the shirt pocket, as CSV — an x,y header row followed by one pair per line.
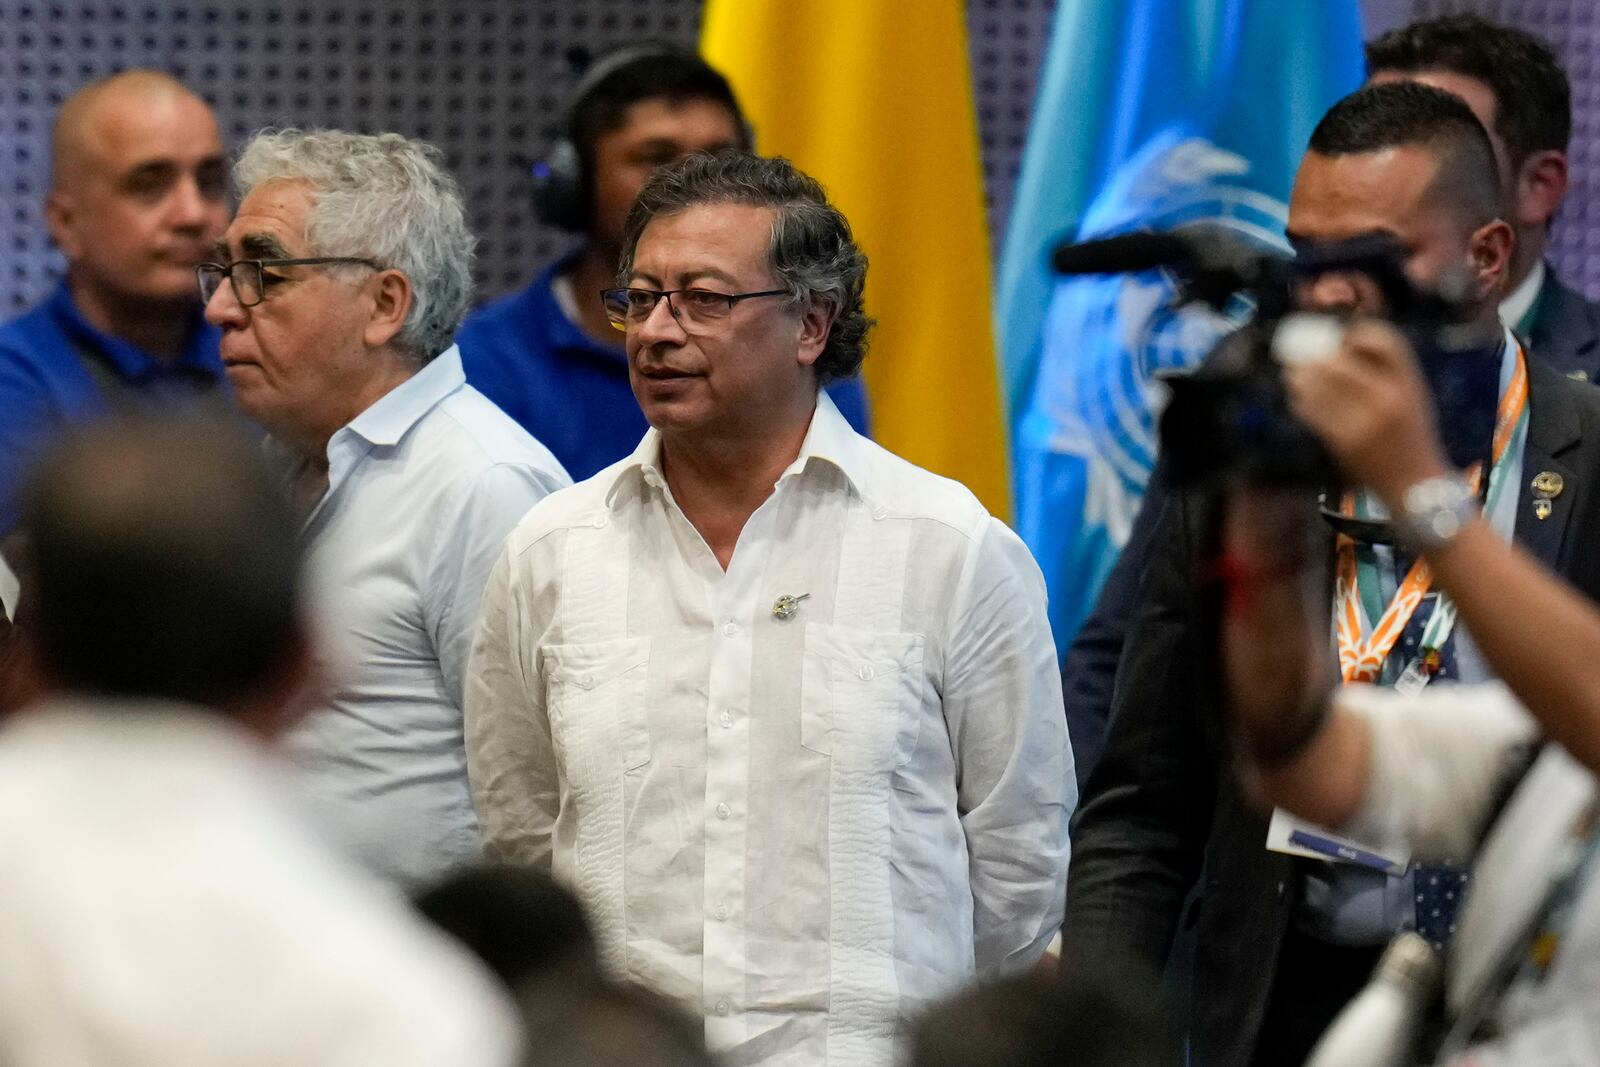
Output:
x,y
595,697
861,695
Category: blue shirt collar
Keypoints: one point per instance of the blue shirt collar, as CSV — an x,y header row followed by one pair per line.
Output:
x,y
562,331
132,363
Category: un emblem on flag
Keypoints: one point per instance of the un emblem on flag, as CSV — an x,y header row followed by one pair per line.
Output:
x,y
1108,338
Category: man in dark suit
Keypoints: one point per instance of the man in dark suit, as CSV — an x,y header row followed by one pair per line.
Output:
x,y
1516,88
1280,944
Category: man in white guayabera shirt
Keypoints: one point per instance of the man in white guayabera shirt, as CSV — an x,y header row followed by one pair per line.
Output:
x,y
338,288
781,706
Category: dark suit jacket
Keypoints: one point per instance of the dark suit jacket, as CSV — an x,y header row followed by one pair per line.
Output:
x,y
1162,815
1566,334
1566,331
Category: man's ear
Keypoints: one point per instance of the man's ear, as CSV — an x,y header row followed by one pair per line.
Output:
x,y
59,211
815,325
1489,254
1541,186
391,303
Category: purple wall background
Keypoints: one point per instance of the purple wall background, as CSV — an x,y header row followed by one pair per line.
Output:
x,y
486,80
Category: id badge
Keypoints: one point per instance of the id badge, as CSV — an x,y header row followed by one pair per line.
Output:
x,y
1412,680
1294,836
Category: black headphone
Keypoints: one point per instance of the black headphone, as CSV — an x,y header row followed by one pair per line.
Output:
x,y
561,185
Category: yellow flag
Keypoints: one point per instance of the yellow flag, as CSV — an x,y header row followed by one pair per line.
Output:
x,y
873,98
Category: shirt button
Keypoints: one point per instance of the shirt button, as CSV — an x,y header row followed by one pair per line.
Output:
x,y
726,719
722,912
599,522
731,629
723,1007
587,681
723,811
880,513
866,672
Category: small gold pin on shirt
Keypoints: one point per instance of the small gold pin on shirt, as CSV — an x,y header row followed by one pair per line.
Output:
x,y
1541,509
785,606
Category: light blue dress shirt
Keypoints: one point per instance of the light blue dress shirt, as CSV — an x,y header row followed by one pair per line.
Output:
x,y
423,488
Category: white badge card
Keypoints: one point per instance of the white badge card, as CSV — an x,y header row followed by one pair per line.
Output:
x,y
1295,837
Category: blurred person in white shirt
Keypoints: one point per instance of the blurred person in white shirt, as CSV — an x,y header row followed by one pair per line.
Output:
x,y
781,706
161,901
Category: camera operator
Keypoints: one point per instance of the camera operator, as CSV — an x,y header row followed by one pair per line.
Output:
x,y
1281,942
1426,773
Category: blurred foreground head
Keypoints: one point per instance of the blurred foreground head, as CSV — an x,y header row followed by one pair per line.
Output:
x,y
164,565
606,1024
520,922
1113,1018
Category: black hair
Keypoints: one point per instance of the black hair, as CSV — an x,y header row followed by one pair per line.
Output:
x,y
810,249
1401,114
608,1024
1113,1017
519,922
657,70
1533,99
164,562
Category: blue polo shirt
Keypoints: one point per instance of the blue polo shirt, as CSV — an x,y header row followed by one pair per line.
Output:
x,y
56,369
565,388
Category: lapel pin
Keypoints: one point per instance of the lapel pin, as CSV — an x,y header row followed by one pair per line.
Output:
x,y
1547,485
785,606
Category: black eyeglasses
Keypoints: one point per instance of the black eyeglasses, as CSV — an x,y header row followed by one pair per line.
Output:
x,y
630,307
250,281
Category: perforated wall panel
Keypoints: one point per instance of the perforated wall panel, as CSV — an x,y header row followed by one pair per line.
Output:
x,y
486,80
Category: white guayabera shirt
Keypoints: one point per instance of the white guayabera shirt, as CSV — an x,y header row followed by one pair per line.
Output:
x,y
808,827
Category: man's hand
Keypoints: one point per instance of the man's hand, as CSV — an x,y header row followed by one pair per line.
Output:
x,y
1370,406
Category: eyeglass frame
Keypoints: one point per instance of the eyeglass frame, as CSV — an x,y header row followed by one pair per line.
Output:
x,y
672,309
225,271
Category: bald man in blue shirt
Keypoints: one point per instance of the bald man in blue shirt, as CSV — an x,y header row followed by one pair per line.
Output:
x,y
137,197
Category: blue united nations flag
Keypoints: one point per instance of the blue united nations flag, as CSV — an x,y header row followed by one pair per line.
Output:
x,y
1152,115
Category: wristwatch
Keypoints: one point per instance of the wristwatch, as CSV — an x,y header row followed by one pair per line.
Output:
x,y
1435,511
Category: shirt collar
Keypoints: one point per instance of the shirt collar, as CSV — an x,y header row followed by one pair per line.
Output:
x,y
1515,307
562,331
829,439
130,361
394,413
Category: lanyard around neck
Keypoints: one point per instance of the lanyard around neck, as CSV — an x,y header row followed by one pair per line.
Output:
x,y
1362,652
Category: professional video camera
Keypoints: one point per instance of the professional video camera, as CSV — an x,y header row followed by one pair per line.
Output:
x,y
1229,420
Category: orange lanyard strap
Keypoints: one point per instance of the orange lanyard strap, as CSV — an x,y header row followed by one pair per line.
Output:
x,y
1361,655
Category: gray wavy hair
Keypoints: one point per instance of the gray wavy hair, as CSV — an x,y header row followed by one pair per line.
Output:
x,y
811,249
382,197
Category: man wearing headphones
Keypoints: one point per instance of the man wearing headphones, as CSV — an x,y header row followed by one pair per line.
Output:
x,y
547,354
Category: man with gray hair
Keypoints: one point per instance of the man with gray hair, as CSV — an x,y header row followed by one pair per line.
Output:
x,y
338,288
781,706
